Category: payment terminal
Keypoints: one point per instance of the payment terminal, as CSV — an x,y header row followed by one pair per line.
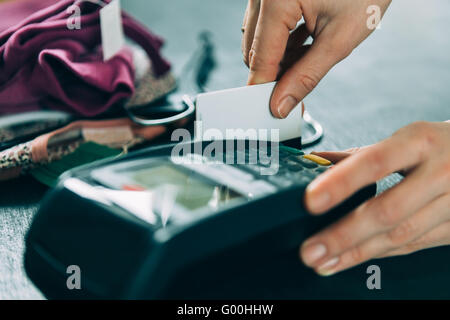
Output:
x,y
133,223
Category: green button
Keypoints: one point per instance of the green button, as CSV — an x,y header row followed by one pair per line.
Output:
x,y
291,150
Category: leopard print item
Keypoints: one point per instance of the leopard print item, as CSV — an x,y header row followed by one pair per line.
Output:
x,y
18,156
56,153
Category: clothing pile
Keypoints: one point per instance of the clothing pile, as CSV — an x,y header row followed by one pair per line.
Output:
x,y
44,65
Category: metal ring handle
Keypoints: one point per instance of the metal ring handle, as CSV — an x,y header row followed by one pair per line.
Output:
x,y
158,122
316,126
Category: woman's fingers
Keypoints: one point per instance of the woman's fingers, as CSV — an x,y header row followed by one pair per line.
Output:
x,y
407,235
298,37
295,41
244,22
438,236
406,218
295,49
363,168
337,29
307,72
291,56
249,27
276,20
377,216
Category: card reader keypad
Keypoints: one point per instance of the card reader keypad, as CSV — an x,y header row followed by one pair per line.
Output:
x,y
295,168
254,167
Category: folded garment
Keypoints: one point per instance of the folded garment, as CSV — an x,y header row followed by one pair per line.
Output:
x,y
14,11
43,64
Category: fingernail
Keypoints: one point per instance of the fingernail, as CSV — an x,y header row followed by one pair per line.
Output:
x,y
313,253
326,269
317,200
286,105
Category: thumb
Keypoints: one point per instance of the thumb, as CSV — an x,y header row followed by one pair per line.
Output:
x,y
304,76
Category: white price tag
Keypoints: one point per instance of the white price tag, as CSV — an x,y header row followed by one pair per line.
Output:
x,y
113,37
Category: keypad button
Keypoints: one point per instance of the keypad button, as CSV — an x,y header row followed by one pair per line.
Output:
x,y
290,162
321,169
297,159
282,171
308,163
302,180
319,160
283,153
291,150
295,167
309,174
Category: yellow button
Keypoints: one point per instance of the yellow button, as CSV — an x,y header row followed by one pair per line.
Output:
x,y
317,159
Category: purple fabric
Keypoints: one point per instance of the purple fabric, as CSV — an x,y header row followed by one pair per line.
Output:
x,y
12,12
44,64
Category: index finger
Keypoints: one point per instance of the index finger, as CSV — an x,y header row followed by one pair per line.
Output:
x,y
363,168
276,20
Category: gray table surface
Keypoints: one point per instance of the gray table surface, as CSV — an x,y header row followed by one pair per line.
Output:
x,y
399,75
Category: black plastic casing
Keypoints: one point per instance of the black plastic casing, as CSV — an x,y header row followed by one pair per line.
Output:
x,y
123,257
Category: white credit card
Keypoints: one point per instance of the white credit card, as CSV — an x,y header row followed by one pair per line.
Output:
x,y
245,110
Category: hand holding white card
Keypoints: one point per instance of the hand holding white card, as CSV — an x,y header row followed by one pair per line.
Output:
x,y
246,108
